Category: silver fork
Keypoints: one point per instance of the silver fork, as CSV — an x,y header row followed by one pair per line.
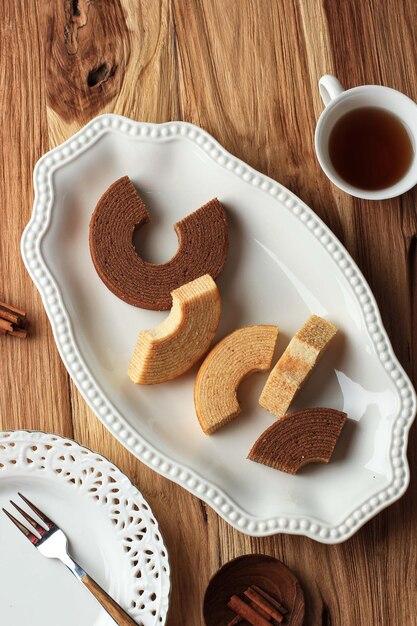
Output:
x,y
52,542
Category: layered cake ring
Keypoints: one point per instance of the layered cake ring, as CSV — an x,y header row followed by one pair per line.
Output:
x,y
202,248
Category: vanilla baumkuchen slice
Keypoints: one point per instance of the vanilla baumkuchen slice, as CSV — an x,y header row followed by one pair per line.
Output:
x,y
244,351
296,364
297,439
170,349
202,247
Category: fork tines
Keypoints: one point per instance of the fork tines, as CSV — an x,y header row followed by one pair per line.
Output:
x,y
41,530
49,523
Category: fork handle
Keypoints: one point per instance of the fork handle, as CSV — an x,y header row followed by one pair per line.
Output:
x,y
115,610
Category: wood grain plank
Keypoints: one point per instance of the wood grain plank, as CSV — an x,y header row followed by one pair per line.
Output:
x,y
34,386
133,40
382,242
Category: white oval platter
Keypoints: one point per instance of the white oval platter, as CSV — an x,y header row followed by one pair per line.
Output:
x,y
283,265
111,531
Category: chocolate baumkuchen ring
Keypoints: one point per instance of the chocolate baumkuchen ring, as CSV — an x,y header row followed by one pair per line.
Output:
x,y
202,249
308,436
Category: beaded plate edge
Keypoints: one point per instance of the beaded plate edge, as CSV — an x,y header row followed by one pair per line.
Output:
x,y
116,423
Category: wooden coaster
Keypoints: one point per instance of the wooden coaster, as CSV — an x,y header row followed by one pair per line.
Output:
x,y
262,571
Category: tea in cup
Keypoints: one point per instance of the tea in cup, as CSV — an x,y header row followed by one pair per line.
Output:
x,y
366,138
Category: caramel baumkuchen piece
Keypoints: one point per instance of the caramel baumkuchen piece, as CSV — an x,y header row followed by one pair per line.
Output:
x,y
296,364
170,349
308,436
202,239
244,351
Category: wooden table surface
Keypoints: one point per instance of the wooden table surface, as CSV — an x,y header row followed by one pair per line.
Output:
x,y
246,71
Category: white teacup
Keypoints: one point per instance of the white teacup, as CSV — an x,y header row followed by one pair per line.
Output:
x,y
338,102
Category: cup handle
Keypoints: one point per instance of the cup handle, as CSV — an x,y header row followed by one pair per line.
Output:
x,y
329,88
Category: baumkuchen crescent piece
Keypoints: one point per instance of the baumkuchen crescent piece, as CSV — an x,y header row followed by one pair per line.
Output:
x,y
308,436
202,248
246,350
170,349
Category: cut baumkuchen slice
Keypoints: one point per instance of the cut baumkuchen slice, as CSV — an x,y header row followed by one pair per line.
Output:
x,y
202,248
244,351
297,439
170,349
296,364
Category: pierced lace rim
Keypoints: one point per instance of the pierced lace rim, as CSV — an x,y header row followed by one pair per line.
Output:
x,y
54,442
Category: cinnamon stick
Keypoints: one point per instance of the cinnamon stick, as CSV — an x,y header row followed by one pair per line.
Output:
x,y
263,604
21,333
238,620
6,326
259,610
7,308
270,599
12,321
244,610
7,315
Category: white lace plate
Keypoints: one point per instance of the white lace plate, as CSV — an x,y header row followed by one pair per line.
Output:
x,y
111,530
283,264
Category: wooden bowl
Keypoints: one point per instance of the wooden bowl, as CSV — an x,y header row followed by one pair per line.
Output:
x,y
253,569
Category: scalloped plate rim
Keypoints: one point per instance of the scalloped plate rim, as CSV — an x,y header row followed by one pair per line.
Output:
x,y
132,440
40,436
